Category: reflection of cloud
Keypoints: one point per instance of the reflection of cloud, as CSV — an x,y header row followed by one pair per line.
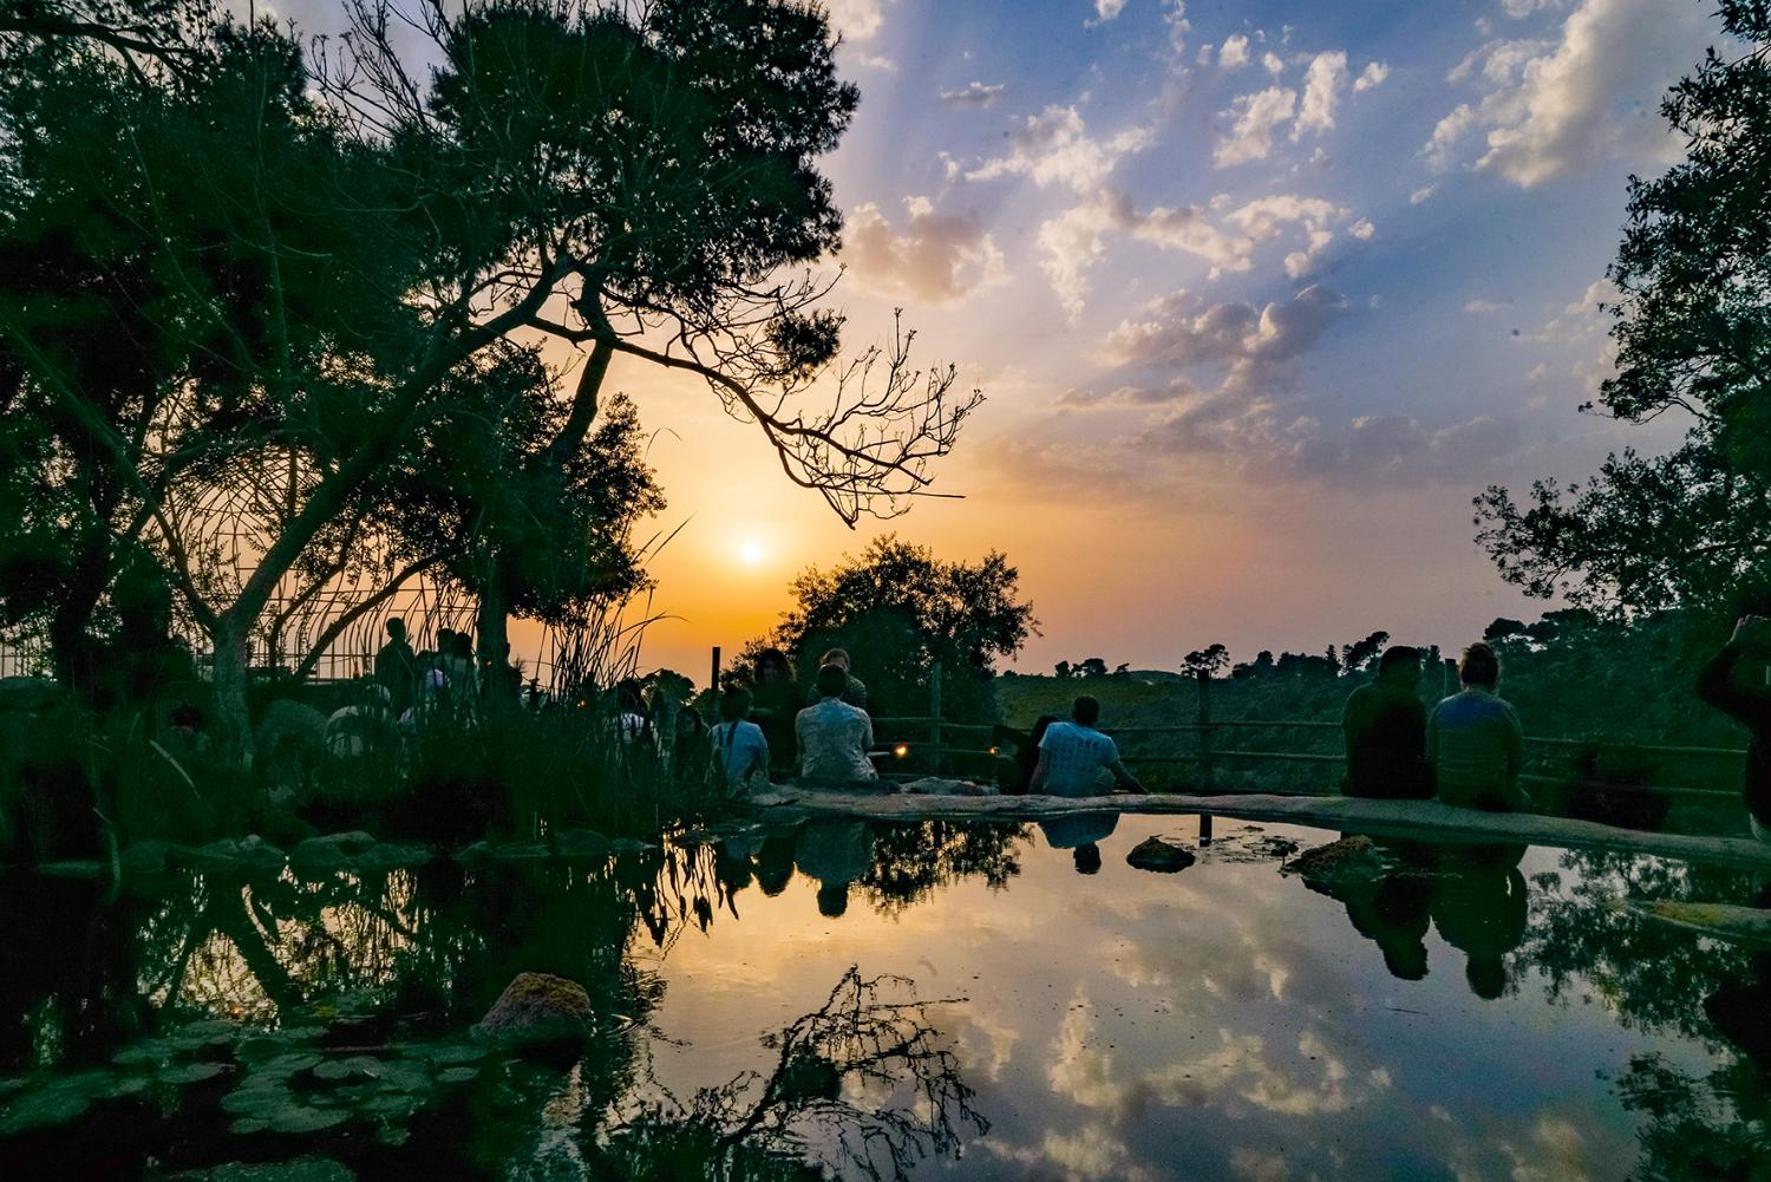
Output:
x,y
985,1042
1255,1165
934,257
1551,107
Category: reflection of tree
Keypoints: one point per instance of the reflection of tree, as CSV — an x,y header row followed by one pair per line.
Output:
x,y
1698,1128
813,1102
911,861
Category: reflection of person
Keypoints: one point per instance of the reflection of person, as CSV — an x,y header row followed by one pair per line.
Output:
x,y
1391,911
854,690
835,853
1474,741
1739,1008
774,862
833,736
739,750
1080,834
1479,906
1072,756
1734,682
1385,724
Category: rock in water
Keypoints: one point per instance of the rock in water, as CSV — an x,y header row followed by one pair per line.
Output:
x,y
540,1014
1350,858
1160,856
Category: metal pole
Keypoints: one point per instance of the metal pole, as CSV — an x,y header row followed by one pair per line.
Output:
x,y
1205,768
714,683
935,719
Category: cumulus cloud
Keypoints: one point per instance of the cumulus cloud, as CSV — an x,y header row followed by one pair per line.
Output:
x,y
1054,148
933,257
1257,117
1233,55
1400,448
1178,332
1589,94
1362,229
1422,194
973,94
856,20
1106,10
1274,63
1073,242
1371,77
1323,82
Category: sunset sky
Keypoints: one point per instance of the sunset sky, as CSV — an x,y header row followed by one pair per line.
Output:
x,y
1260,294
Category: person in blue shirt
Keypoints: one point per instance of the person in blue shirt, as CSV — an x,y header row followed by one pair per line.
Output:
x,y
1474,741
1072,756
739,752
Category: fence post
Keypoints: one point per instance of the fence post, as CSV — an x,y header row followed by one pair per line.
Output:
x,y
714,683
1205,767
935,719
1447,676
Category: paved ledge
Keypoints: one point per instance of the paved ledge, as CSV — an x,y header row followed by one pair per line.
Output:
x,y
1426,819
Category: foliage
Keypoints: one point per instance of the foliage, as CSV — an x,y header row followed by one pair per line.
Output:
x,y
898,609
1692,324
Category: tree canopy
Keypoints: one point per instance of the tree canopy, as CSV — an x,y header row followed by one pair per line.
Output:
x,y
1692,325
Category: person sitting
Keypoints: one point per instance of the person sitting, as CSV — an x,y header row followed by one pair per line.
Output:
x,y
1015,771
1385,724
1072,756
833,736
854,690
775,704
1734,682
1475,744
739,756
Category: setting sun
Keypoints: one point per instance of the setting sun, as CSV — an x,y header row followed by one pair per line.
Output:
x,y
751,552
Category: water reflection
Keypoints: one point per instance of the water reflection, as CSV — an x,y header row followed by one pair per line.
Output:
x,y
1481,1010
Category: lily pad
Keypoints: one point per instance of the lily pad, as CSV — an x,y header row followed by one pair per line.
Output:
x,y
456,1075
246,1126
191,1073
452,1053
56,1102
302,1118
145,1053
352,1070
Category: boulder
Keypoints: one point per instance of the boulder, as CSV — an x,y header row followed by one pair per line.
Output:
x,y
1159,856
940,786
331,852
148,857
1351,859
393,855
260,856
581,843
539,1014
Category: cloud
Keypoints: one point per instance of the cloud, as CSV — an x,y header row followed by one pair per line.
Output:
x,y
1258,116
1177,332
1399,448
1175,17
1054,148
973,94
1589,95
1106,10
1274,63
1362,229
1519,9
1073,242
1422,194
1234,53
1371,77
1482,307
936,258
1323,82
856,20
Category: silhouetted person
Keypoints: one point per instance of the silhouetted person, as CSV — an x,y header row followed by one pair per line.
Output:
x,y
1015,773
185,739
774,862
1480,907
854,690
396,667
1474,741
833,736
1734,682
1072,756
775,704
835,853
1391,911
1385,724
738,749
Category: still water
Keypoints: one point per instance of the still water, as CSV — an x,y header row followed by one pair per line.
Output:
x,y
927,1000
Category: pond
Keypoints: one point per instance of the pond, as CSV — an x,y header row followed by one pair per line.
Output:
x,y
977,1001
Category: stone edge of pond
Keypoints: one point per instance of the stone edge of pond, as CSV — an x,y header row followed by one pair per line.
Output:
x,y
1387,818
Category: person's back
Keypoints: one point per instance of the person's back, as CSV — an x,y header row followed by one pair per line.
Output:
x,y
1474,740
1385,724
739,750
396,667
1072,756
834,736
1734,682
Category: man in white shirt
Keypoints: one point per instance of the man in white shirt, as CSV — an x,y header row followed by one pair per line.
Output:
x,y
1073,754
834,737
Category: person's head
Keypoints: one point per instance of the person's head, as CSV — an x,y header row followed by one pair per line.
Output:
x,y
1040,725
836,656
445,640
1405,958
772,665
734,705
463,645
1400,665
1086,710
187,717
1479,668
688,719
396,628
1087,858
833,899
832,680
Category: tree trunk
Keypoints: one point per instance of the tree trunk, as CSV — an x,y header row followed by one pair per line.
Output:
x,y
493,625
233,716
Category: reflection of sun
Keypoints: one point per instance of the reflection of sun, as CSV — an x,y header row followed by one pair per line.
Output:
x,y
750,552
